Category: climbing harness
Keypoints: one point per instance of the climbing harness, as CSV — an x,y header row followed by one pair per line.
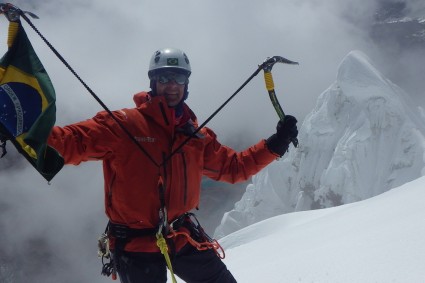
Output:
x,y
122,234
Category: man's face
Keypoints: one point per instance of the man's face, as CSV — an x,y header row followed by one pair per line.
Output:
x,y
171,85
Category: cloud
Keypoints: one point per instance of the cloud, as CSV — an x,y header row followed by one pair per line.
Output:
x,y
110,45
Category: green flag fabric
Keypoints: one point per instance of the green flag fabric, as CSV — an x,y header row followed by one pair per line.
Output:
x,y
27,103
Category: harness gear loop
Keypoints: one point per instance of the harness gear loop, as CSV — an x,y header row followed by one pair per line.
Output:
x,y
162,245
108,268
122,235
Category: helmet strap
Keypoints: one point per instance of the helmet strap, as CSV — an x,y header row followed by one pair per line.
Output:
x,y
186,92
153,87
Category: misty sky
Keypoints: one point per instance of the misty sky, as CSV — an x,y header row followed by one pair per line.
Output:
x,y
109,44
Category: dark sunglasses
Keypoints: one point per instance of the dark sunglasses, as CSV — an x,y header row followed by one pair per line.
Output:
x,y
167,77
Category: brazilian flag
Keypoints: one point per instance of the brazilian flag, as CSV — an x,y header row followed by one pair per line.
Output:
x,y
27,104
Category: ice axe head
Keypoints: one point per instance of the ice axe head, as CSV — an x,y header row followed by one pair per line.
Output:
x,y
270,61
13,13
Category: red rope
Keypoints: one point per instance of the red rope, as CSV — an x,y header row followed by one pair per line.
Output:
x,y
213,245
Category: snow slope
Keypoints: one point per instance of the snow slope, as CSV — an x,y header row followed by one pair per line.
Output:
x,y
377,240
363,138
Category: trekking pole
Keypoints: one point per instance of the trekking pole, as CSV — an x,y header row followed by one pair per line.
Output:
x,y
267,66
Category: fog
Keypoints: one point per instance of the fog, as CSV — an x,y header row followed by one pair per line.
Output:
x,y
51,230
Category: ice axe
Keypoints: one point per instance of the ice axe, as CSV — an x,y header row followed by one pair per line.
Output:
x,y
267,67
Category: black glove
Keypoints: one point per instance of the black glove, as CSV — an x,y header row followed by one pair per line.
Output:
x,y
286,132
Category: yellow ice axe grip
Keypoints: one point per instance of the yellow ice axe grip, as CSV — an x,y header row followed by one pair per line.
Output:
x,y
268,78
13,31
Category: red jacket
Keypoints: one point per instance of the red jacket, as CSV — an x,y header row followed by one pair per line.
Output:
x,y
131,178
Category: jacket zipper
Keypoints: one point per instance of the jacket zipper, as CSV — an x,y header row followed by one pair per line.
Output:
x,y
164,115
185,178
167,122
165,184
111,184
164,155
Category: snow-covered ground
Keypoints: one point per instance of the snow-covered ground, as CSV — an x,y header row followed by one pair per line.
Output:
x,y
380,240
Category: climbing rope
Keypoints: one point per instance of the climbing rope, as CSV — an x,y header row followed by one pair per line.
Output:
x,y
162,245
210,244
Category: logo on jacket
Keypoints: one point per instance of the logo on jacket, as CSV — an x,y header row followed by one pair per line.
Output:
x,y
145,139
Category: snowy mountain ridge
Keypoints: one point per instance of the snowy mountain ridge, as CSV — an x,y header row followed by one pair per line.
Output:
x,y
363,138
400,22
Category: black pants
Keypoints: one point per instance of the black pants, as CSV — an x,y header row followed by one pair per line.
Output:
x,y
189,264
